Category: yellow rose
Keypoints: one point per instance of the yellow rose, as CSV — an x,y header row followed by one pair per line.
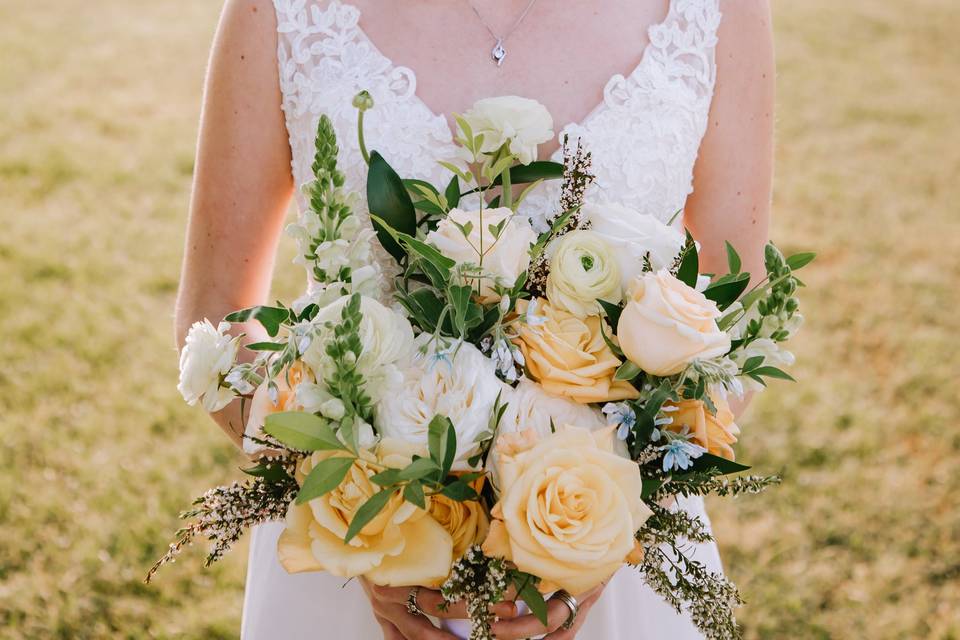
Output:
x,y
568,356
569,508
666,324
401,546
263,405
583,269
466,521
715,433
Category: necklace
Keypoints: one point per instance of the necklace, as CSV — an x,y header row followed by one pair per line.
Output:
x,y
499,53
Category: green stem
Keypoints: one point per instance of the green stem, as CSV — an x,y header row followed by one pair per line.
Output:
x,y
360,138
506,189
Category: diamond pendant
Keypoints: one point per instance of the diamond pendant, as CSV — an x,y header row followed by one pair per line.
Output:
x,y
499,53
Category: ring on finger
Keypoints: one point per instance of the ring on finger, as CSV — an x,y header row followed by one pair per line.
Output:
x,y
572,605
412,607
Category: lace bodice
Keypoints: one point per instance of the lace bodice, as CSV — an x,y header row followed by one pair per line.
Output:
x,y
644,135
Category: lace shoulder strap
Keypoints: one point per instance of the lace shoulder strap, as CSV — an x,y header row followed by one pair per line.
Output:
x,y
684,44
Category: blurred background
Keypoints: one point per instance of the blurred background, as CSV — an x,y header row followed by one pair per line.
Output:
x,y
98,115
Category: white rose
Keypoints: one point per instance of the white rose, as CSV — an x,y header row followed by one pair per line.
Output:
x,y
207,355
583,269
632,235
458,382
773,356
387,339
666,324
522,122
504,258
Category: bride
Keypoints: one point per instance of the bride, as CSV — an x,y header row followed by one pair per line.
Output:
x,y
674,98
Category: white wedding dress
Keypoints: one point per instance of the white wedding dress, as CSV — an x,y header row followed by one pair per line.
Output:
x,y
644,136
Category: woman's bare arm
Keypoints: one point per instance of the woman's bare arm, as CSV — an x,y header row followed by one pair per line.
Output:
x,y
242,182
734,171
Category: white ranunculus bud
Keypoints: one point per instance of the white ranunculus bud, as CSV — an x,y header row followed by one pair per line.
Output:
x,y
208,353
504,257
522,122
458,382
633,235
583,269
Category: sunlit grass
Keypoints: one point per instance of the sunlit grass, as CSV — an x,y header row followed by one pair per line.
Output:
x,y
99,106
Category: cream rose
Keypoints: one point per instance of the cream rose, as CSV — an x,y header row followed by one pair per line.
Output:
x,y
583,269
568,355
264,403
633,236
401,546
521,122
666,325
459,382
504,257
714,432
569,509
387,339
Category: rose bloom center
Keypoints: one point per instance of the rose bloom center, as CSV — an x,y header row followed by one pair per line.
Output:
x,y
563,504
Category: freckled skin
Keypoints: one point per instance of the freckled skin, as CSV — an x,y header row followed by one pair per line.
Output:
x,y
563,58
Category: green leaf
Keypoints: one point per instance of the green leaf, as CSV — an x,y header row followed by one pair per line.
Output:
x,y
800,260
452,193
773,372
460,300
442,442
273,472
690,265
527,591
733,259
627,371
650,486
303,431
752,363
617,351
270,317
708,461
266,346
324,478
390,202
726,291
539,170
386,477
423,249
460,491
367,512
613,312
413,493
419,468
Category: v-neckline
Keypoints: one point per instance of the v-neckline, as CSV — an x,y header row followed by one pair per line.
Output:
x,y
451,133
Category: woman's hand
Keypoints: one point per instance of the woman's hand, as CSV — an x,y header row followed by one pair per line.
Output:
x,y
557,613
390,609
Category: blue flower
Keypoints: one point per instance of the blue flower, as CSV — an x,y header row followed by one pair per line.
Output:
x,y
620,413
680,454
530,316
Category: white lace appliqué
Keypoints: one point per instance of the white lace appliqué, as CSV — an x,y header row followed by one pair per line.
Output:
x,y
644,135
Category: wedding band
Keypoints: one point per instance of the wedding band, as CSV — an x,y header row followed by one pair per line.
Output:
x,y
412,607
571,603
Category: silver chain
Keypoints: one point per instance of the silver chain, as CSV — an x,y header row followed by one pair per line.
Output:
x,y
499,53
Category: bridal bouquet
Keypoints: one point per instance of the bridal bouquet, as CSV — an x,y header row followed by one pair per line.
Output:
x,y
515,406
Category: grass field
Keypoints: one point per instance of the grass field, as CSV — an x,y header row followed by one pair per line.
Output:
x,y
98,112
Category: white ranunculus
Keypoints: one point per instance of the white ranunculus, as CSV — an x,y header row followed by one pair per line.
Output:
x,y
523,122
583,269
457,381
773,356
504,258
387,339
632,235
208,354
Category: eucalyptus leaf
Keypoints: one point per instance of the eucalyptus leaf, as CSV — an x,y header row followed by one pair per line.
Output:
x,y
800,260
302,431
367,512
269,317
413,493
324,478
